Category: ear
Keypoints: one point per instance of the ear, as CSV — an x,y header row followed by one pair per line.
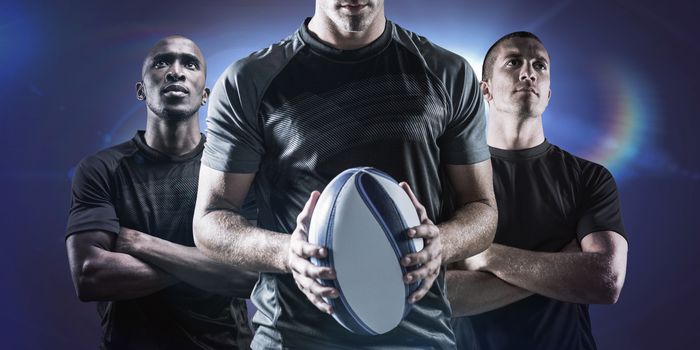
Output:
x,y
205,96
486,90
140,92
549,95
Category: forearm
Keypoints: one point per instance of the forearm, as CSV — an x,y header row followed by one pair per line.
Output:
x,y
474,292
577,277
469,232
190,265
116,276
229,238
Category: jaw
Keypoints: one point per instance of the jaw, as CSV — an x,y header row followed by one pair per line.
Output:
x,y
172,111
353,23
528,106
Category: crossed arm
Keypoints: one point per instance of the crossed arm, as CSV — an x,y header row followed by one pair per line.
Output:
x,y
223,234
133,264
502,275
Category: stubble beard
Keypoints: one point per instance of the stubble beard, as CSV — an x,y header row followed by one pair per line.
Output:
x,y
172,115
355,23
525,108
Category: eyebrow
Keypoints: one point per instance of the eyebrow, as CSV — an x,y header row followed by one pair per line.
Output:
x,y
518,55
170,56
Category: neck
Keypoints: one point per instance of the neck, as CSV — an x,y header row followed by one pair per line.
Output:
x,y
336,37
514,132
172,137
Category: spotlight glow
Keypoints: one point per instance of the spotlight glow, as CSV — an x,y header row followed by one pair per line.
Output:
x,y
626,130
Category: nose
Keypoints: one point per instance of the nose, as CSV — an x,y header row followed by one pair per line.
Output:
x,y
527,73
175,73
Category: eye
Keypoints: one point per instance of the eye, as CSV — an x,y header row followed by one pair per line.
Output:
x,y
192,65
540,66
160,64
513,63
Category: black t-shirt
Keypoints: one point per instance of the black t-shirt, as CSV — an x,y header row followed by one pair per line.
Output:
x,y
299,112
546,198
135,186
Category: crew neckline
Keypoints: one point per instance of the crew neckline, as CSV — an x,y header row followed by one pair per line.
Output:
x,y
140,140
359,54
517,154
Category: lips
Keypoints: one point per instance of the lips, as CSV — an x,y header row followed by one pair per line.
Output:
x,y
353,6
527,89
175,87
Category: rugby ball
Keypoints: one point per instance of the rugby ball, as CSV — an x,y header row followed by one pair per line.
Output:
x,y
362,217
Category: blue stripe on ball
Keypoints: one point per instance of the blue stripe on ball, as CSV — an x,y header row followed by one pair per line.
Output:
x,y
343,311
390,219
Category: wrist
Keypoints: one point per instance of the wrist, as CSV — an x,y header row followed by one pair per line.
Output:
x,y
285,256
139,243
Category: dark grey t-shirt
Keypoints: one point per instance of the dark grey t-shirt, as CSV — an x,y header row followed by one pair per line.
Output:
x,y
546,198
135,186
299,112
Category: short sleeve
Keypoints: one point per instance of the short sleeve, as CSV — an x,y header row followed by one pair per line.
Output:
x,y
600,210
234,135
91,205
464,139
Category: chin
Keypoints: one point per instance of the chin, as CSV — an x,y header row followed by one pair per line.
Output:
x,y
355,23
528,112
177,114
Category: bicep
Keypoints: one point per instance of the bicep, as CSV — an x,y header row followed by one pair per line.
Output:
x,y
221,190
472,182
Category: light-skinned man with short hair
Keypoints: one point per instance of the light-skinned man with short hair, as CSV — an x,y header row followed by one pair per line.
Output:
x,y
349,88
560,243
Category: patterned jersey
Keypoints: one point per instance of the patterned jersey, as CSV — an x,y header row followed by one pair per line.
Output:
x,y
300,112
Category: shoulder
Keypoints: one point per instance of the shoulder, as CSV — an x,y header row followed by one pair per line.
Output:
x,y
107,160
587,170
436,58
263,64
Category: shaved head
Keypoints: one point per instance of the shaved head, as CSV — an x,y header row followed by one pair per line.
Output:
x,y
490,58
173,79
162,43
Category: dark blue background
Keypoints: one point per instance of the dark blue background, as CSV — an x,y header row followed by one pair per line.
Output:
x,y
624,82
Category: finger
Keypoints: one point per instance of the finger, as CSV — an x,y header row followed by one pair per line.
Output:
x,y
307,269
309,285
306,250
304,217
322,291
319,303
431,251
425,231
421,273
423,289
422,257
420,209
299,234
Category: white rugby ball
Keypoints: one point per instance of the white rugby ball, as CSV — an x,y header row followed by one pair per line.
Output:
x,y
362,218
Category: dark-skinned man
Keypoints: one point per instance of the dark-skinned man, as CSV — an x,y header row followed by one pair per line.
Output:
x,y
348,89
129,234
560,243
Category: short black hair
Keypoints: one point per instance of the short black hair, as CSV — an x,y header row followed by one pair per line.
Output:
x,y
490,58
